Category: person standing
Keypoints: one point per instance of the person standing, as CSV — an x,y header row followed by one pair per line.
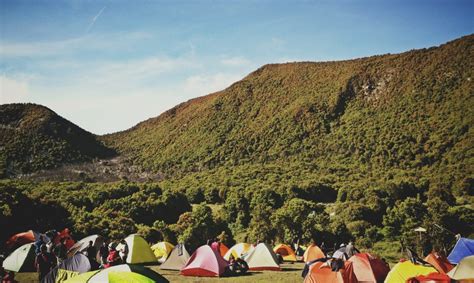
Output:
x,y
60,251
91,252
103,253
123,251
44,262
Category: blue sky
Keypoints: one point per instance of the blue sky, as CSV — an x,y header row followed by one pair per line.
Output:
x,y
107,65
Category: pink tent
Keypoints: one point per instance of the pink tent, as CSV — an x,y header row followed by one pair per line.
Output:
x,y
205,262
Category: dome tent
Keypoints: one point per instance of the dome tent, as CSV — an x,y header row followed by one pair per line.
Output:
x,y
313,252
177,259
464,247
205,262
138,250
368,268
238,250
68,268
285,251
21,260
262,257
162,250
119,273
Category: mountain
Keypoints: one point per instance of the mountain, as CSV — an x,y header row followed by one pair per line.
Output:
x,y
32,137
410,112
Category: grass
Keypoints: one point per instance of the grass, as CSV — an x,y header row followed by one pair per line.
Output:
x,y
290,273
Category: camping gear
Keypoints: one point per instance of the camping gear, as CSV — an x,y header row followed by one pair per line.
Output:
x,y
405,270
161,250
439,262
368,268
321,272
21,260
177,259
205,262
286,252
341,253
119,273
23,238
81,246
68,268
138,250
464,270
238,250
464,247
262,257
430,278
313,252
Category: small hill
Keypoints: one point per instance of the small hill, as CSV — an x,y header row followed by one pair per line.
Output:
x,y
411,112
33,137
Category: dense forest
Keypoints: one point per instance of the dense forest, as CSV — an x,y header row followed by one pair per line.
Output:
x,y
363,150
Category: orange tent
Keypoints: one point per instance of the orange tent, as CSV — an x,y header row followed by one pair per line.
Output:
x,y
223,249
430,278
313,252
21,239
368,268
65,234
439,262
285,251
320,272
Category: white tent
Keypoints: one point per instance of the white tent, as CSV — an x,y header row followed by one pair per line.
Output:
x,y
81,246
177,259
262,257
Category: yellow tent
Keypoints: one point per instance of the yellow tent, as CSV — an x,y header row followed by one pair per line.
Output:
x,y
405,270
138,250
464,270
238,250
162,250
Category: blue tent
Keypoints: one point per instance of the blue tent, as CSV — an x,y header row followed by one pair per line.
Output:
x,y
464,247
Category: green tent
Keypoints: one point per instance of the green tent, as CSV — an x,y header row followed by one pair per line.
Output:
x,y
21,260
139,251
119,273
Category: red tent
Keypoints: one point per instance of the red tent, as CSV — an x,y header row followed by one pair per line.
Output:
x,y
368,268
320,272
439,262
205,262
223,249
430,278
67,235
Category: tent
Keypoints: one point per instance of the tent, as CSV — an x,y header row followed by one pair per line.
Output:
x,y
321,272
238,250
21,260
138,250
81,246
177,259
439,262
64,234
162,250
313,252
285,251
430,278
464,247
205,262
223,249
21,239
368,268
402,271
262,257
464,270
68,268
119,273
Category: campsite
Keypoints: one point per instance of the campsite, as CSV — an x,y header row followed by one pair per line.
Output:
x,y
314,141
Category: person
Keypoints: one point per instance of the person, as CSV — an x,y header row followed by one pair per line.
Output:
x,y
103,253
351,250
91,252
215,245
38,244
60,250
123,251
44,262
113,258
280,258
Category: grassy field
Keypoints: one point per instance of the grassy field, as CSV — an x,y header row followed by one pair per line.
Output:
x,y
289,273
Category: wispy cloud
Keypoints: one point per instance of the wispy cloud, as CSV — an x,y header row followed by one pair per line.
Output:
x,y
235,62
205,84
94,19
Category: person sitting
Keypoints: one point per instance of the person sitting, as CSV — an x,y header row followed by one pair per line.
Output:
x,y
113,258
44,262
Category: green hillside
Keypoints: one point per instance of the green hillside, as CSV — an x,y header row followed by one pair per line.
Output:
x,y
408,114
32,137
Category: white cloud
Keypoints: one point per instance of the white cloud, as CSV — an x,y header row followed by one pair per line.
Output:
x,y
235,62
205,84
13,90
